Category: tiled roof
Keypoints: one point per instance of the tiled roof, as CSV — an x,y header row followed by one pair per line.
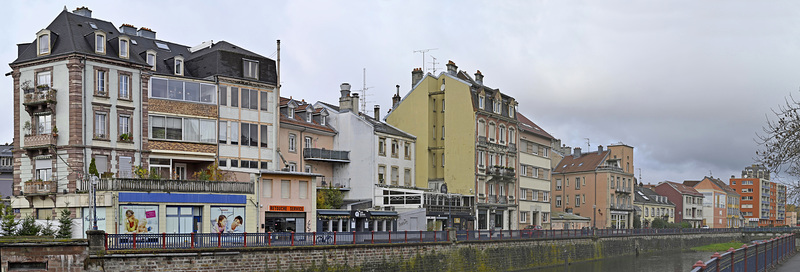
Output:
x,y
298,120
528,125
586,162
651,195
683,189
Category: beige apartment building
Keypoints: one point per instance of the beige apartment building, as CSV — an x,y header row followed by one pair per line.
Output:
x,y
534,174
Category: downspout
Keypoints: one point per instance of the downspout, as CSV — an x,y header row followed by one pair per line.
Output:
x,y
83,104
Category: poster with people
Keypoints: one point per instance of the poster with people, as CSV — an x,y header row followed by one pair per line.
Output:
x,y
138,219
227,219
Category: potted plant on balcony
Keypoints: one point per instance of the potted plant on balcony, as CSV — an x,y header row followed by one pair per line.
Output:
x,y
27,128
125,137
42,87
55,131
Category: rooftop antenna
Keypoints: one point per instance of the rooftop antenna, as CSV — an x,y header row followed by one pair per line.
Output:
x,y
423,51
588,144
640,176
363,91
433,62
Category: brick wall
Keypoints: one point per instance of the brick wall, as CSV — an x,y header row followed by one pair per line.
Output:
x,y
183,108
57,257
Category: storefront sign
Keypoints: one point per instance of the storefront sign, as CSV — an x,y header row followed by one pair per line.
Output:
x,y
286,208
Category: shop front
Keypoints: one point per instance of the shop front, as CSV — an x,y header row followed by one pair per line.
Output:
x,y
151,213
286,219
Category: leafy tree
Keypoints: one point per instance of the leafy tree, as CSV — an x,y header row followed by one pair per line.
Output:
x,y
212,173
637,222
658,223
65,229
93,169
28,227
8,221
329,198
686,225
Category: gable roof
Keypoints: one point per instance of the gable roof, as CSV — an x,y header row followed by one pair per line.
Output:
x,y
297,119
377,125
586,162
647,196
683,189
528,125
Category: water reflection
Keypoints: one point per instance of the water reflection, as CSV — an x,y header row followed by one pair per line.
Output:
x,y
662,261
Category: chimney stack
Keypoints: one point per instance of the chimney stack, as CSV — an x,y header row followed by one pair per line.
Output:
x,y
479,77
146,32
451,67
378,112
354,102
83,11
416,76
128,29
396,97
344,100
599,149
576,152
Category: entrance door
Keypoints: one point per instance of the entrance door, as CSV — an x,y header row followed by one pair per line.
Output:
x,y
180,171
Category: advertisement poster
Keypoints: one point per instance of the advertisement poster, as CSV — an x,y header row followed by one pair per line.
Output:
x,y
227,219
88,222
138,219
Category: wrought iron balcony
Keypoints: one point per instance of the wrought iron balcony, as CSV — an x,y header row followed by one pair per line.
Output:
x,y
321,154
339,183
39,187
39,95
610,167
500,171
164,185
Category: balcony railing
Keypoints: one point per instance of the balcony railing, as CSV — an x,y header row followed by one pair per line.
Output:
x,y
623,190
326,155
39,141
39,95
340,183
497,199
610,167
158,185
498,170
39,187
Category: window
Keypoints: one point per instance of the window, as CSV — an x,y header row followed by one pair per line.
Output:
x,y
124,86
44,169
286,188
44,44
178,66
303,192
250,134
44,78
510,111
395,148
523,194
43,124
381,174
292,167
492,132
502,137
264,136
566,200
442,159
535,172
545,196
534,195
407,151
545,217
523,217
100,43
442,132
442,105
558,184
497,105
234,97
523,170
434,105
151,60
577,200
264,102
577,183
250,68
308,143
100,119
183,90
101,79
187,129
407,177
395,175
223,132
292,142
161,45
481,128
512,137
481,102
223,95
481,158
125,125
382,146
234,133
123,48
558,201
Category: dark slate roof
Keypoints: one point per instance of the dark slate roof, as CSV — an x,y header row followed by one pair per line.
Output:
x,y
298,117
72,33
528,125
586,162
683,189
651,197
382,127
488,92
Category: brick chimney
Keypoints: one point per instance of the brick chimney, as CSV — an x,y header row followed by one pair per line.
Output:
x,y
83,11
576,152
396,97
479,77
416,76
451,67
378,112
128,29
599,149
344,100
354,102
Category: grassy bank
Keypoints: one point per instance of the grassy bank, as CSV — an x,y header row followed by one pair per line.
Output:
x,y
718,247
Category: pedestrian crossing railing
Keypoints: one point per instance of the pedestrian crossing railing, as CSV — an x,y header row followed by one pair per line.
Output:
x,y
758,256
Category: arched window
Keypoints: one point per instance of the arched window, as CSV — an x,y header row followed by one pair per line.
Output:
x,y
512,137
492,132
502,136
481,128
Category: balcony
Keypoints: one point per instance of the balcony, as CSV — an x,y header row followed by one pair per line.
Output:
x,y
39,141
39,95
321,154
624,190
502,173
610,168
497,199
39,187
340,183
512,148
159,185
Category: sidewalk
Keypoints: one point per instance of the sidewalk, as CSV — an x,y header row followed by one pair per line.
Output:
x,y
792,265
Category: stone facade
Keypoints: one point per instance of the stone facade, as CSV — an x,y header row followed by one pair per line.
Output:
x,y
182,108
183,146
61,257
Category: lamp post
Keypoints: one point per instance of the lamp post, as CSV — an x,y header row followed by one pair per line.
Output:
x,y
94,202
449,206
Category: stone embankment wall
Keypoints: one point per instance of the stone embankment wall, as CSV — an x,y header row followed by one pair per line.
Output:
x,y
435,257
43,256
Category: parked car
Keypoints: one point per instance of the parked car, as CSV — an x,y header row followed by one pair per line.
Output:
x,y
533,227
705,227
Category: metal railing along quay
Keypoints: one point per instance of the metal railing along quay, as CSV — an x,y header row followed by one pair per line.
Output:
x,y
760,256
220,240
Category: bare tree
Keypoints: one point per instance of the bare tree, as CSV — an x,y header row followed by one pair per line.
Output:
x,y
780,146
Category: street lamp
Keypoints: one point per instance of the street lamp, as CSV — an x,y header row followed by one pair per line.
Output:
x,y
449,206
94,202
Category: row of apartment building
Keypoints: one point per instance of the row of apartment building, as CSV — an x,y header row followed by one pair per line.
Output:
x,y
200,139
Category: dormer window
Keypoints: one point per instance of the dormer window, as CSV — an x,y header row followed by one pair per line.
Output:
x,y
308,117
43,42
124,46
322,120
290,110
250,68
481,102
151,59
179,66
498,104
510,111
99,43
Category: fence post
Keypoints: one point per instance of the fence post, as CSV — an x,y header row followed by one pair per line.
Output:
x,y
390,236
354,237
105,240
490,234
373,237
219,239
293,238
192,240
434,236
134,240
420,236
269,238
406,238
745,257
315,238
334,238
163,240
245,239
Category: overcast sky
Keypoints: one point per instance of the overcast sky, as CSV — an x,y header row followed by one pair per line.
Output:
x,y
686,83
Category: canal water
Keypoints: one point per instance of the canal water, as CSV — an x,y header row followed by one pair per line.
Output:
x,y
656,262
